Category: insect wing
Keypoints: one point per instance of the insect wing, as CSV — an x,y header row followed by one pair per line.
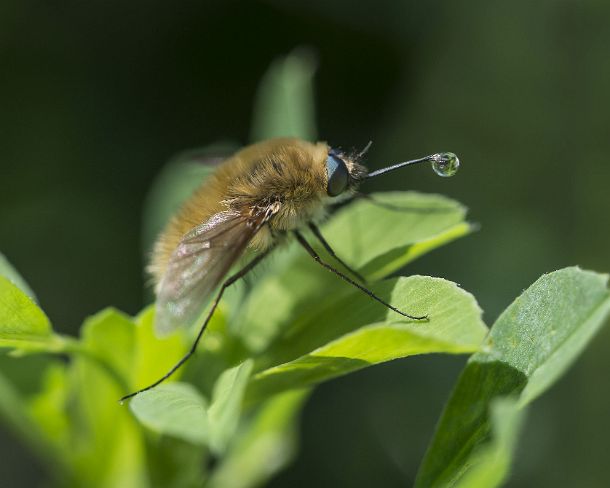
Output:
x,y
199,263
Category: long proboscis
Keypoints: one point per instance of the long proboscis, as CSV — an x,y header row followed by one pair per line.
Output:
x,y
425,159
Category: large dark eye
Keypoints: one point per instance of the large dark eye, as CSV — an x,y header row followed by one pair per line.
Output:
x,y
338,176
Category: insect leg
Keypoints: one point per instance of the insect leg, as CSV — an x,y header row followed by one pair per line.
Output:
x,y
316,232
232,279
317,258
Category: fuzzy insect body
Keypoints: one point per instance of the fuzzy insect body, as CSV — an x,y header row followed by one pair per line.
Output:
x,y
286,176
264,191
261,192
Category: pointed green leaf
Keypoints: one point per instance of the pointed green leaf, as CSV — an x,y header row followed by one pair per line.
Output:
x,y
285,104
176,409
23,325
531,344
363,333
8,271
226,404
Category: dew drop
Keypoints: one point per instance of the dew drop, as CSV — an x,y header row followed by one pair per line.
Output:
x,y
445,164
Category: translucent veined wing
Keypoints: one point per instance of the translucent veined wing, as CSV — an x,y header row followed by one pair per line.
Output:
x,y
197,266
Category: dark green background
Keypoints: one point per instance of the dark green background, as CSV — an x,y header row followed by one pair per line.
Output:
x,y
96,96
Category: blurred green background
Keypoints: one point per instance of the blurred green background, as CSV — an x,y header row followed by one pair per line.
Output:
x,y
96,96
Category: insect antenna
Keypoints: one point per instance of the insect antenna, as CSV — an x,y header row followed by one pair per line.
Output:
x,y
344,277
228,282
361,154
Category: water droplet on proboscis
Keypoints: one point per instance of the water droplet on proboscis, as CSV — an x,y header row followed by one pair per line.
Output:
x,y
445,164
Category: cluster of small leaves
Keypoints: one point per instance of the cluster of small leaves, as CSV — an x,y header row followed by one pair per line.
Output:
x,y
239,398
266,347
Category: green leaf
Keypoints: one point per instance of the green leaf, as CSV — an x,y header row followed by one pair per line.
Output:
x,y
285,103
47,407
378,241
173,462
491,462
264,446
106,445
531,344
363,333
14,414
109,336
176,409
8,271
152,356
372,239
226,403
23,325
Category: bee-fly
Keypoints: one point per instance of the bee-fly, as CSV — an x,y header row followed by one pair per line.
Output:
x,y
264,191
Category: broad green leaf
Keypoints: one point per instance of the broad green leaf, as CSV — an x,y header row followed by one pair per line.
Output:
x,y
285,104
491,461
372,239
363,333
531,344
107,444
8,271
176,409
152,357
264,445
378,241
109,336
23,325
225,407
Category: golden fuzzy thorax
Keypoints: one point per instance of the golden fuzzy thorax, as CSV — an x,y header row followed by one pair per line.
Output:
x,y
288,173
